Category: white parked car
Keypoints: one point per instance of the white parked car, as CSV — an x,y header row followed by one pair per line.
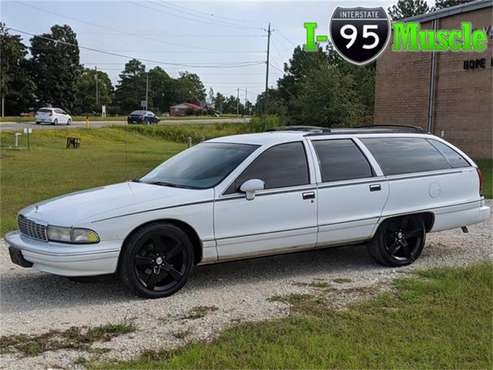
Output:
x,y
253,195
53,116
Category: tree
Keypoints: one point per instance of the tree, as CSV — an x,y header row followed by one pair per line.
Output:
x,y
189,88
16,85
86,91
219,102
131,88
408,8
326,98
56,67
441,4
160,90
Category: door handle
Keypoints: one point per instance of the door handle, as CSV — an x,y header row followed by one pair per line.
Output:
x,y
308,195
375,187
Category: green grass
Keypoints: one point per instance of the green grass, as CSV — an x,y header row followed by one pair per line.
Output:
x,y
486,166
440,319
106,156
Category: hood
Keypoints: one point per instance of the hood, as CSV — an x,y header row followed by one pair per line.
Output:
x,y
109,201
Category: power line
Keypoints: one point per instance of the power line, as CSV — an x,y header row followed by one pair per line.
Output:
x,y
235,65
118,31
225,21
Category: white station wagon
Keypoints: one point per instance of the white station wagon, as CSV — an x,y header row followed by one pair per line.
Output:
x,y
254,195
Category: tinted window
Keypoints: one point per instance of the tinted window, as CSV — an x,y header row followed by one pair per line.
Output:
x,y
280,166
59,111
45,110
341,160
405,155
202,166
453,158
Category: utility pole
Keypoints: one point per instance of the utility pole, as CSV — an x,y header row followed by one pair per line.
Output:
x,y
147,91
238,101
97,87
267,70
246,99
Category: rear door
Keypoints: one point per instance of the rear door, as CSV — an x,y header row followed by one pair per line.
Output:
x,y
351,191
281,218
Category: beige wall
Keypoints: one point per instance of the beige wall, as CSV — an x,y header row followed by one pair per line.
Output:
x,y
463,108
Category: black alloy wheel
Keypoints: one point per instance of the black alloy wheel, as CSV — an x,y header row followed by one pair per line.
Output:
x,y
156,260
398,241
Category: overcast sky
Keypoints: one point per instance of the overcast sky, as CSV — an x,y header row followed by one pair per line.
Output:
x,y
215,34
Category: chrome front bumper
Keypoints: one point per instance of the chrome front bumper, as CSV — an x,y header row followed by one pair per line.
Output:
x,y
67,259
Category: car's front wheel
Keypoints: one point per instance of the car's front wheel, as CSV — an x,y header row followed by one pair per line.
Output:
x,y
398,241
156,260
69,122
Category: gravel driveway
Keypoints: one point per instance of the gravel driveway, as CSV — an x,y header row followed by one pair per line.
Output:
x,y
33,302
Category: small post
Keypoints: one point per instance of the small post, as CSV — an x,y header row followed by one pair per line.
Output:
x,y
17,135
189,141
87,121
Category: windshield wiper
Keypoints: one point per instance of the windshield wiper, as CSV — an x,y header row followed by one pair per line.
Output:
x,y
163,183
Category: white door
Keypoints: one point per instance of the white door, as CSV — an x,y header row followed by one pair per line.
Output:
x,y
281,218
351,192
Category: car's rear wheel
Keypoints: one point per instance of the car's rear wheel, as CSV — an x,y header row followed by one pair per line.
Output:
x,y
156,260
55,122
69,122
398,241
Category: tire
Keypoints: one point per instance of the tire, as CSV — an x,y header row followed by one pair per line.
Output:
x,y
69,122
55,122
398,241
156,260
37,122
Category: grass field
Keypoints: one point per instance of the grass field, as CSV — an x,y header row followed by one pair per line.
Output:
x,y
440,319
107,155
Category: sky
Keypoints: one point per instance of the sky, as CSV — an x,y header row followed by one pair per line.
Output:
x,y
223,42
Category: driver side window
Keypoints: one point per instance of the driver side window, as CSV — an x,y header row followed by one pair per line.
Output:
x,y
281,166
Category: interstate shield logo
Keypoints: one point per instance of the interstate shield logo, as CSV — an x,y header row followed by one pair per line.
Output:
x,y
359,34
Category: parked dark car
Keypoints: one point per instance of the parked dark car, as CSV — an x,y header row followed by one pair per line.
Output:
x,y
142,116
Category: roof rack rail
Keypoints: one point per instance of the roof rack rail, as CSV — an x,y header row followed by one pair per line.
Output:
x,y
408,127
373,129
312,129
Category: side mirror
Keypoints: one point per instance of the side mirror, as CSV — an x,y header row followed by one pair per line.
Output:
x,y
249,187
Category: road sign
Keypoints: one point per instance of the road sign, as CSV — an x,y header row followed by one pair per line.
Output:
x,y
143,104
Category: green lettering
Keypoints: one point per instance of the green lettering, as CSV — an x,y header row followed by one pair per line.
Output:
x,y
453,43
426,40
310,28
466,35
480,41
405,36
442,38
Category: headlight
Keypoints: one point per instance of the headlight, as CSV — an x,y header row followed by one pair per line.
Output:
x,y
72,235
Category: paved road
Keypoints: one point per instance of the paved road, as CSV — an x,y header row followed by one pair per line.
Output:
x,y
12,126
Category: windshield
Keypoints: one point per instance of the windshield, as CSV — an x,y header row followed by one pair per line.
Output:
x,y
200,167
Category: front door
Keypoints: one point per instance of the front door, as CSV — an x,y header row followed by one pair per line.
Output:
x,y
281,218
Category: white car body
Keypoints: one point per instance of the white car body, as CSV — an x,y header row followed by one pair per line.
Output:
x,y
53,116
230,227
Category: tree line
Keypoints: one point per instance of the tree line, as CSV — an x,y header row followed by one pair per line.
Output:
x,y
48,72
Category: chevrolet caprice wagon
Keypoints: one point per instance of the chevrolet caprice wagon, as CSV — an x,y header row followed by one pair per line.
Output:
x,y
254,195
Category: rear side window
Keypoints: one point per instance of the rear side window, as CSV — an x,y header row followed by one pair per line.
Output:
x,y
280,166
405,155
44,110
453,158
341,160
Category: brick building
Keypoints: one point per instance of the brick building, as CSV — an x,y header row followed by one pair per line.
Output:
x,y
448,93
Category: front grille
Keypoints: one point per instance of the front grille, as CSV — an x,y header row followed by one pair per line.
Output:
x,y
31,228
